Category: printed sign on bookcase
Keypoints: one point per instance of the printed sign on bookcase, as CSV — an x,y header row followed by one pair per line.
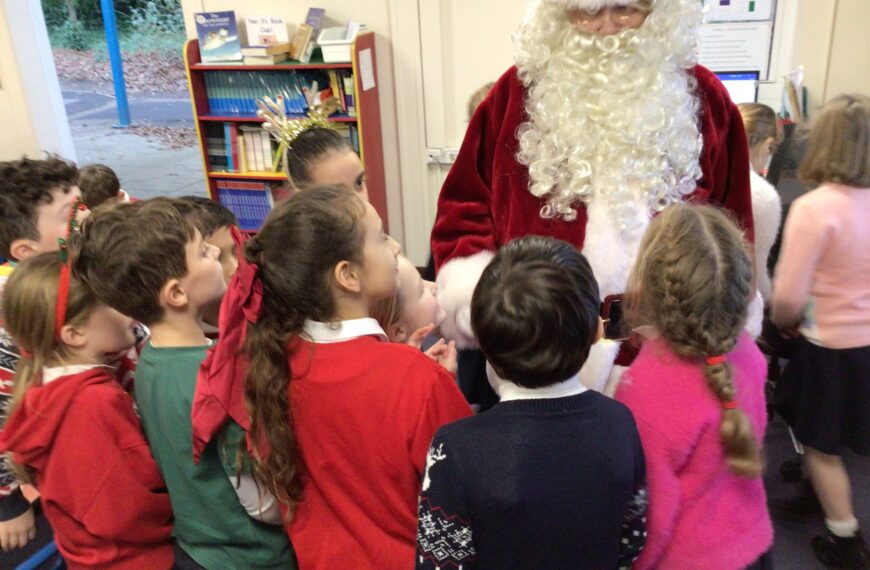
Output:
x,y
240,160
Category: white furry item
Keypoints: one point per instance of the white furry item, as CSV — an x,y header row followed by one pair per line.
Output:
x,y
596,370
754,316
610,250
767,215
593,4
456,282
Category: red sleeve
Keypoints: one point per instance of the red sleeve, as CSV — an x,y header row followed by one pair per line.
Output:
x,y
725,157
464,222
444,404
129,501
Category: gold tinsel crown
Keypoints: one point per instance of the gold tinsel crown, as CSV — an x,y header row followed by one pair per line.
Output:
x,y
286,130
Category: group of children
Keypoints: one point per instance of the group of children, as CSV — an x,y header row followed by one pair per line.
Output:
x,y
310,430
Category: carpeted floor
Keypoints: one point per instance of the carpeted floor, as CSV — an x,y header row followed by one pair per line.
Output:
x,y
791,546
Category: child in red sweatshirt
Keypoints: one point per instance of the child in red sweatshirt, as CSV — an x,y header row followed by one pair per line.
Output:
x,y
73,430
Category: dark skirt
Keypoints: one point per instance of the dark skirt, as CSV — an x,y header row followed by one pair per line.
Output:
x,y
824,395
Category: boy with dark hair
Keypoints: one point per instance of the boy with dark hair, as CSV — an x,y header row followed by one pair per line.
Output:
x,y
36,197
219,227
553,476
98,184
149,261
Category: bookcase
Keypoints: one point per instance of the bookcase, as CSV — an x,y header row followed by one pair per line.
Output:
x,y
222,97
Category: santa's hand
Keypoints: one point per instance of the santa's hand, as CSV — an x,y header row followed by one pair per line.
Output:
x,y
418,336
444,353
456,282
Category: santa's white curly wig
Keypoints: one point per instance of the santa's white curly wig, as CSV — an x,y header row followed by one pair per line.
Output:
x,y
614,118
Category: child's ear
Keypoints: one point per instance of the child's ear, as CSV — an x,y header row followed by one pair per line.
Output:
x,y
73,336
397,333
599,331
21,249
172,295
347,276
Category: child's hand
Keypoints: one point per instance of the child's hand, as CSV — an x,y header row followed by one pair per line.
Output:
x,y
444,353
417,337
17,532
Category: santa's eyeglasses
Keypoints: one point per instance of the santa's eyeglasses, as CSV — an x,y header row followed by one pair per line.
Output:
x,y
618,14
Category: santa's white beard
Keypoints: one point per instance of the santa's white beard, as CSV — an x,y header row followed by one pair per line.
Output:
x,y
612,125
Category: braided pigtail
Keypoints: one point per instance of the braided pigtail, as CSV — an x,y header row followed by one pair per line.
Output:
x,y
693,281
735,431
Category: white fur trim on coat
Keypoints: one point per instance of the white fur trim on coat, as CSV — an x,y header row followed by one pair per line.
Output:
x,y
456,282
599,364
767,215
755,316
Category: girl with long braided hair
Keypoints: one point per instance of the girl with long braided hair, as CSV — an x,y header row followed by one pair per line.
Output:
x,y
697,392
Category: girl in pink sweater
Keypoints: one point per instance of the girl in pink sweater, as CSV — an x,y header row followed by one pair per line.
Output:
x,y
822,286
697,392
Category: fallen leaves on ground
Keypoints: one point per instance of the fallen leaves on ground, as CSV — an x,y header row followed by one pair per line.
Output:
x,y
154,72
176,138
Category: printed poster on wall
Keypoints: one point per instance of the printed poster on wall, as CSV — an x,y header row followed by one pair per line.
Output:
x,y
739,10
737,47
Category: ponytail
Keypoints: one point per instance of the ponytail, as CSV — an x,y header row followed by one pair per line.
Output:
x,y
735,430
292,260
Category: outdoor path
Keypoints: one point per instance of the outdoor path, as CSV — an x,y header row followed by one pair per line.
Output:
x,y
146,167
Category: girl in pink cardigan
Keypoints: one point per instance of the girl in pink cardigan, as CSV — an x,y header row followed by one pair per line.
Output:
x,y
822,286
697,392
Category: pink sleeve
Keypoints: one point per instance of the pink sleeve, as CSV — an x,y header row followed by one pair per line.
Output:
x,y
663,460
804,239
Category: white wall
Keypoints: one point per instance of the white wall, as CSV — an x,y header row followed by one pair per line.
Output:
x,y
31,106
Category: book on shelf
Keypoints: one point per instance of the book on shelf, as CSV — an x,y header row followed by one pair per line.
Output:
x,y
267,49
314,18
218,36
266,30
305,38
236,92
302,46
353,28
266,59
349,94
250,201
235,148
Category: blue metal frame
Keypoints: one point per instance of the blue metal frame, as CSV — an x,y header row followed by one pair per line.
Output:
x,y
40,557
108,7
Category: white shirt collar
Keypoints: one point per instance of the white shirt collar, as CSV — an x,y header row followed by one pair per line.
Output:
x,y
52,373
508,391
340,331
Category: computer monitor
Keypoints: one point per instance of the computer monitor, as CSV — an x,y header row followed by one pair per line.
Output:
x,y
741,85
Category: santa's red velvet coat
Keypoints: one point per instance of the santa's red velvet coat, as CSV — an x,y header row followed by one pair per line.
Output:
x,y
485,201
